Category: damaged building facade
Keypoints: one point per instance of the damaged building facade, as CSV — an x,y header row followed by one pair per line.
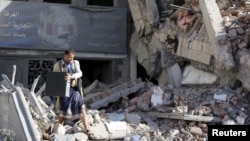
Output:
x,y
201,44
34,40
158,46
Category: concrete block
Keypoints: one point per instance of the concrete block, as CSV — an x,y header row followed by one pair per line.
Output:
x,y
99,131
133,119
118,129
192,75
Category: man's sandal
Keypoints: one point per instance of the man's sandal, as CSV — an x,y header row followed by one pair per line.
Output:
x,y
46,136
89,134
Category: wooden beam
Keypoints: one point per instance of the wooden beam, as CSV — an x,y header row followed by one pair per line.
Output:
x,y
182,116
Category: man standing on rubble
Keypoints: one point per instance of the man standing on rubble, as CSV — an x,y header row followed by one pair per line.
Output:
x,y
74,104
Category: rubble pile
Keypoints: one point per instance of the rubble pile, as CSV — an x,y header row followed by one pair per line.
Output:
x,y
236,22
150,112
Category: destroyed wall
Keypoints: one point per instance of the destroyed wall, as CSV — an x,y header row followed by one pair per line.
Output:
x,y
212,36
16,122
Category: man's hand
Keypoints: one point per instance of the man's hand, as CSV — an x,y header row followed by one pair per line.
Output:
x,y
67,76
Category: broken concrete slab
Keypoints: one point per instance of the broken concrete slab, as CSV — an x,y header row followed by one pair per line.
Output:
x,y
110,130
192,75
111,95
118,129
182,116
216,31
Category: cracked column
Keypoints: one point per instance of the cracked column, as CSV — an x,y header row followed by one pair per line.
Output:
x,y
216,32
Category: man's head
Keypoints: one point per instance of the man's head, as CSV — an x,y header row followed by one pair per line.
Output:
x,y
68,55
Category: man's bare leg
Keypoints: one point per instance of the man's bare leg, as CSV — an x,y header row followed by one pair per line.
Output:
x,y
61,119
84,119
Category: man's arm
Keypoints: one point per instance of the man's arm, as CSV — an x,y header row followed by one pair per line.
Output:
x,y
78,72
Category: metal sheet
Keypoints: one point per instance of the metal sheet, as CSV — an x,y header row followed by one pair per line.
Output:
x,y
55,84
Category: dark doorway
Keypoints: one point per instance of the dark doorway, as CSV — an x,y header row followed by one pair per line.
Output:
x,y
96,70
142,73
